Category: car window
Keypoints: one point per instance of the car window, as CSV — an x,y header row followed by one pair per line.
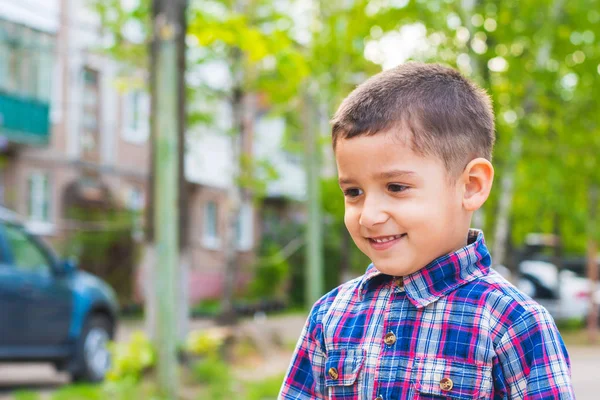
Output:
x,y
27,256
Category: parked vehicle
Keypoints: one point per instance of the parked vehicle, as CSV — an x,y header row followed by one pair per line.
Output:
x,y
564,294
49,310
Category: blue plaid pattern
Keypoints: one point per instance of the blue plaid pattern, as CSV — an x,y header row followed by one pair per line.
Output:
x,y
455,329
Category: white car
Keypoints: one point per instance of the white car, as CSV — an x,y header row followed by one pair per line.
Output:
x,y
564,294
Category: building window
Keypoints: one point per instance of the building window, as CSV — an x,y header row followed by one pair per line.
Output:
x,y
38,204
26,61
245,228
90,128
135,199
39,197
136,117
210,235
135,202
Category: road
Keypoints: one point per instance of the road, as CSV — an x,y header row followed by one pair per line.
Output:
x,y
43,379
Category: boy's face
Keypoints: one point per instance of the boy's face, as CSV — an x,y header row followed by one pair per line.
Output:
x,y
402,209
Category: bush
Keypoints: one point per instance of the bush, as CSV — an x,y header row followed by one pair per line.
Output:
x,y
213,372
109,251
131,359
205,343
264,390
271,274
207,308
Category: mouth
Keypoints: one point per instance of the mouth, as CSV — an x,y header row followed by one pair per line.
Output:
x,y
385,242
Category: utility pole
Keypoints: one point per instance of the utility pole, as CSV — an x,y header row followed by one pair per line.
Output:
x,y
314,230
166,147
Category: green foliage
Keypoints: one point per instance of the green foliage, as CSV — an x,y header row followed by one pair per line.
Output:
x,y
279,231
211,307
126,389
339,247
131,359
104,246
264,390
538,60
25,395
220,384
205,343
570,325
80,392
255,175
216,374
271,273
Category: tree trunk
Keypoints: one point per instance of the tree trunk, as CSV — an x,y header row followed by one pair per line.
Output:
x,y
244,111
149,260
167,132
592,264
183,307
507,184
314,284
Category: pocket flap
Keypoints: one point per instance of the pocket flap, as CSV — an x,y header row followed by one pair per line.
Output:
x,y
453,379
343,366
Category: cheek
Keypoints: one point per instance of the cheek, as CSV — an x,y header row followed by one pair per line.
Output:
x,y
351,217
425,212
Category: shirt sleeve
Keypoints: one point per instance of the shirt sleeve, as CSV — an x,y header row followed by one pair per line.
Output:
x,y
534,360
305,378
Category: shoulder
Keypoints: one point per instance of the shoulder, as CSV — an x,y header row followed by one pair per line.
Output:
x,y
504,306
342,296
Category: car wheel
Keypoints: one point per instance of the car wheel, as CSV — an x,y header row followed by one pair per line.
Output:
x,y
92,357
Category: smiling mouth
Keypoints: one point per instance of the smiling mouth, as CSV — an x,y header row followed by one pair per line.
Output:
x,y
385,239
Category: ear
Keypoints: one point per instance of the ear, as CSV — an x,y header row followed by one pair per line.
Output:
x,y
477,176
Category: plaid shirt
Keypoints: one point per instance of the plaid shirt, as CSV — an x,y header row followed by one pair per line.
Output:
x,y
454,329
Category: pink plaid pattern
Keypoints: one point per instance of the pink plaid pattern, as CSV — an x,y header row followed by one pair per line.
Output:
x,y
455,330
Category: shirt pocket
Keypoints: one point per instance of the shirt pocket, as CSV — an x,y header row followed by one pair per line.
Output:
x,y
342,372
440,378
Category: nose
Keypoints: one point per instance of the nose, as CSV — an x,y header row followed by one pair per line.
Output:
x,y
373,213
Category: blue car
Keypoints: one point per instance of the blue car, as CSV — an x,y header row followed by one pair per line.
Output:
x,y
49,310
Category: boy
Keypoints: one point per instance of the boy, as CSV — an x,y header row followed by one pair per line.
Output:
x,y
429,318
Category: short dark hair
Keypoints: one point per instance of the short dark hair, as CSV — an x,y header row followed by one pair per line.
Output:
x,y
448,115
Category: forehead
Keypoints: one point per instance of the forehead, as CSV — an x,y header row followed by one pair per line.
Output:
x,y
382,152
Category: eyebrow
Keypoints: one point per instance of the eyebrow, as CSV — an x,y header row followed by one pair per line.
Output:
x,y
345,181
395,173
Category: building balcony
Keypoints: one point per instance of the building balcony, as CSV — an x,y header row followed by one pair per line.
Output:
x,y
24,120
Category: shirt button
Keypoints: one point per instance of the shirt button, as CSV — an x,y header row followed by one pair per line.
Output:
x,y
333,373
390,338
446,384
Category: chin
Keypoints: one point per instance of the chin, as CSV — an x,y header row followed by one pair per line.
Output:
x,y
393,270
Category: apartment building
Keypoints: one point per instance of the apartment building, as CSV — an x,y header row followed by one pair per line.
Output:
x,y
70,134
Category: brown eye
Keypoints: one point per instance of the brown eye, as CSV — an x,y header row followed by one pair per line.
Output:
x,y
396,188
352,192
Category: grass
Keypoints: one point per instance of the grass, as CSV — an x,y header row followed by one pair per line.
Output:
x,y
78,392
264,390
578,337
25,395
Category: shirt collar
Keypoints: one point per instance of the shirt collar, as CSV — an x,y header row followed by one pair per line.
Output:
x,y
443,274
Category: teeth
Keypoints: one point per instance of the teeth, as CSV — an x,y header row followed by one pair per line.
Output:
x,y
386,239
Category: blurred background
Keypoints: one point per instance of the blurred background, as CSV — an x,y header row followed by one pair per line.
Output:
x,y
247,88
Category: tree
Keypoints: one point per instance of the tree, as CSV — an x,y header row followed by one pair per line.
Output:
x,y
525,54
242,34
135,54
